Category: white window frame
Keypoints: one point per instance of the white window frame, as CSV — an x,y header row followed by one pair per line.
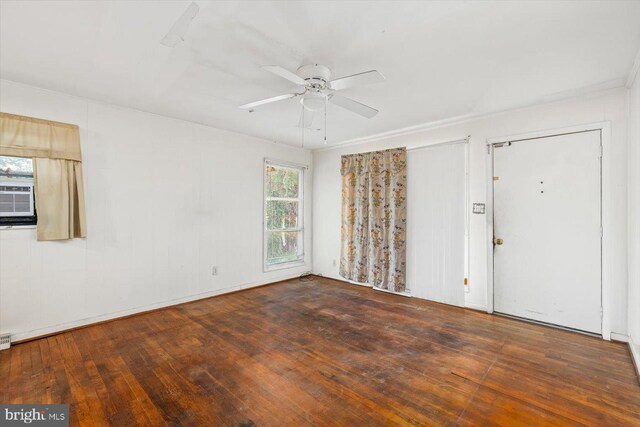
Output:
x,y
301,211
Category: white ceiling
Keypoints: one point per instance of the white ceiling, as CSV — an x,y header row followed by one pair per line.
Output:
x,y
440,59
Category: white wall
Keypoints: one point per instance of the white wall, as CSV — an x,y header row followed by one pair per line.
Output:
x,y
634,211
607,106
166,200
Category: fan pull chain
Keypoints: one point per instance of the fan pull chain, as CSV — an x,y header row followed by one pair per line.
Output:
x,y
302,125
325,120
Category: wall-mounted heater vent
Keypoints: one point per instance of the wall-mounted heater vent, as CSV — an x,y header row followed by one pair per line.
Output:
x,y
16,199
5,341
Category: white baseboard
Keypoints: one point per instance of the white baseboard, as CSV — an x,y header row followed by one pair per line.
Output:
x,y
475,306
342,279
366,285
635,355
615,336
141,309
402,294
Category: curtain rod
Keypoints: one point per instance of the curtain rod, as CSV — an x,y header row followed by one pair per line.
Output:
x,y
455,141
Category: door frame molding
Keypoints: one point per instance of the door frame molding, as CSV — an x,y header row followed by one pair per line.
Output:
x,y
606,204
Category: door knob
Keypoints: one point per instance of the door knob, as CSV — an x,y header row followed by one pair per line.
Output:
x,y
498,241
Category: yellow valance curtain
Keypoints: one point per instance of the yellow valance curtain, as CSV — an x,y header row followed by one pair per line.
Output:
x,y
22,136
57,165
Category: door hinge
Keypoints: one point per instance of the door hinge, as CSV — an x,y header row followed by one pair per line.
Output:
x,y
496,178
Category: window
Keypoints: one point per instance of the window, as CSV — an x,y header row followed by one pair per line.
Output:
x,y
283,215
17,201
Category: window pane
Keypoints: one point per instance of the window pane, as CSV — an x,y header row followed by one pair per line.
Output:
x,y
281,182
16,167
281,214
283,246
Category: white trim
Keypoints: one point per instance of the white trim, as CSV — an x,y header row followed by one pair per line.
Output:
x,y
285,163
620,337
635,355
549,132
593,90
489,219
301,212
606,204
478,307
402,294
634,71
607,227
18,227
95,319
366,285
438,144
467,218
286,265
342,279
88,100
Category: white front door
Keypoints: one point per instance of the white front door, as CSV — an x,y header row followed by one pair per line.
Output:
x,y
547,228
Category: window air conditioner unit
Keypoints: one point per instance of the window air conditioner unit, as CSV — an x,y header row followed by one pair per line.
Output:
x,y
16,199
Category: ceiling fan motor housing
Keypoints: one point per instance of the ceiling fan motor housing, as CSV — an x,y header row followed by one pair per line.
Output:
x,y
317,77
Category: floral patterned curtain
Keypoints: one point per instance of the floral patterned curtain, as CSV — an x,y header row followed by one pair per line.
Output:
x,y
374,218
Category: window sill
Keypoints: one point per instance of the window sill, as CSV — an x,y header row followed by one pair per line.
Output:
x,y
284,266
17,227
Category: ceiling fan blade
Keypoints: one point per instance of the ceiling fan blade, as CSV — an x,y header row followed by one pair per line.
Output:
x,y
267,101
353,106
286,74
368,77
306,118
178,31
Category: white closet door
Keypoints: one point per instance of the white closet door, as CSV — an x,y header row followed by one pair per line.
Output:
x,y
436,223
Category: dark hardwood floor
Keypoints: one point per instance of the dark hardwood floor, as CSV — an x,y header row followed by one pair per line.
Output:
x,y
323,352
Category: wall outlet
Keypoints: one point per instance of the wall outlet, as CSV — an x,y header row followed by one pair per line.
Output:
x,y
214,270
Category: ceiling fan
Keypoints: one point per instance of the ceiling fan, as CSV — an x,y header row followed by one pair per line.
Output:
x,y
318,89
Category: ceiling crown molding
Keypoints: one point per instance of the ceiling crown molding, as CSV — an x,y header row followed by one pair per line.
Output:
x,y
634,71
593,90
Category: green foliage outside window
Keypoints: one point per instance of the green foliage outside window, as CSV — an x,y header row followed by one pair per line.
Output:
x,y
282,212
282,182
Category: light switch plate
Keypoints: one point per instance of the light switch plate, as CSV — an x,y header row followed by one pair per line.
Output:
x,y
479,208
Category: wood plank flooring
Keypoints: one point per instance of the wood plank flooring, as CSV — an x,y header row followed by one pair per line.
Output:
x,y
322,352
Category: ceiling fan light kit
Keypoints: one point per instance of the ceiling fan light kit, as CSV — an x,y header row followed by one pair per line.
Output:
x,y
313,101
318,89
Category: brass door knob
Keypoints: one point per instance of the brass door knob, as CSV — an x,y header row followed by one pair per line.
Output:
x,y
498,241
